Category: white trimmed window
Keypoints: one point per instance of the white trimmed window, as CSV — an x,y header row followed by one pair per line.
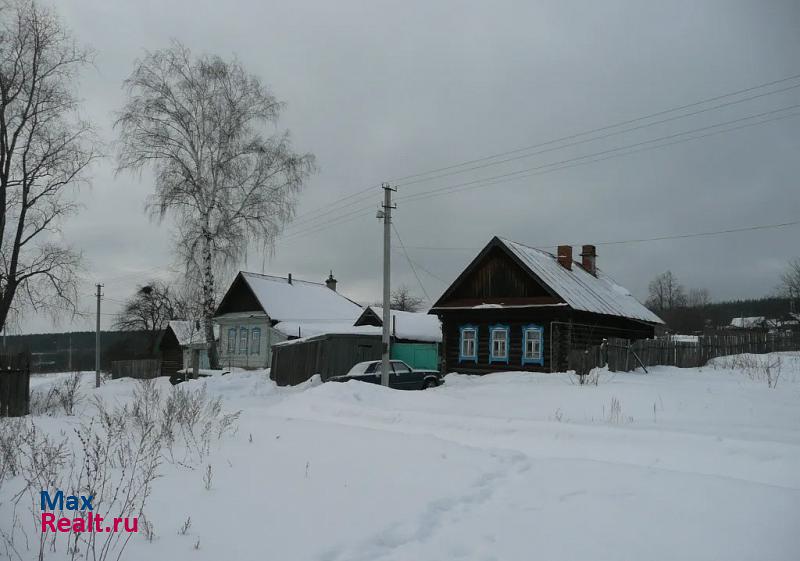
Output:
x,y
469,343
532,345
243,338
499,343
231,340
255,343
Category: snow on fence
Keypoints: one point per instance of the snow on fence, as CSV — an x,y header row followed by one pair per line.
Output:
x,y
622,355
15,385
143,368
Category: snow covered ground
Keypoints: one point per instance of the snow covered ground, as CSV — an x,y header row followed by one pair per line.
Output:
x,y
676,464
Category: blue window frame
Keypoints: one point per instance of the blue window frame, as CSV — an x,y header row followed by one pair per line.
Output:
x,y
468,343
498,343
255,343
231,340
532,344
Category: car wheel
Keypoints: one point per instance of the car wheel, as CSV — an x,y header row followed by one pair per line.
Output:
x,y
429,384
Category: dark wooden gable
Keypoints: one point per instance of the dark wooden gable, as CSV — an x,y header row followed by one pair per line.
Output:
x,y
369,317
239,298
167,340
496,276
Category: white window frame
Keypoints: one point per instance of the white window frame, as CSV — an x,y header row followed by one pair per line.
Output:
x,y
533,336
243,341
255,341
499,334
473,356
231,348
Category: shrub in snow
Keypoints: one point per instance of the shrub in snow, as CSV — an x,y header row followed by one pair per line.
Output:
x,y
61,397
760,368
114,455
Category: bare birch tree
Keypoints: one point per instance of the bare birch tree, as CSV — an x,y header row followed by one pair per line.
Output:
x,y
45,149
200,122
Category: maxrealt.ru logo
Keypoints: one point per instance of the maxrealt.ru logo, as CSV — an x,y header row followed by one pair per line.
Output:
x,y
84,519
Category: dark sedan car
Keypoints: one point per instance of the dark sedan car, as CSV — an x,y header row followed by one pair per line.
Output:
x,y
401,377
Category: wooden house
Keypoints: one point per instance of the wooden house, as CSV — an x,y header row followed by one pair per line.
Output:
x,y
520,308
176,343
259,311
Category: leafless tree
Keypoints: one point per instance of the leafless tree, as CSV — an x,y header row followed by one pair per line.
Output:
x,y
666,293
150,309
405,301
790,279
199,121
45,150
698,297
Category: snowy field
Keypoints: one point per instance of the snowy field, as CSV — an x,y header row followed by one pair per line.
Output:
x,y
677,464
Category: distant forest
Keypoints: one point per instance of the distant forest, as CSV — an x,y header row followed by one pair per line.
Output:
x,y
67,352
693,319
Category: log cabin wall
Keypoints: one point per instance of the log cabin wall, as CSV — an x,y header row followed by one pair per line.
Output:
x,y
564,330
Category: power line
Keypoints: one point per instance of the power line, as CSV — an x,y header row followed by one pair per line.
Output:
x,y
595,138
423,269
556,166
633,240
411,264
609,153
606,127
334,207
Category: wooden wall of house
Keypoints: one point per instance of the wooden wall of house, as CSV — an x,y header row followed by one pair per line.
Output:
x,y
564,330
498,276
171,354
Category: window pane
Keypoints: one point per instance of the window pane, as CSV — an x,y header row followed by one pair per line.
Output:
x,y
468,337
400,367
243,340
231,340
255,344
499,343
533,344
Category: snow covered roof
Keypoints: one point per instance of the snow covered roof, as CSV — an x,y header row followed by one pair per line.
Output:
x,y
413,325
573,287
578,288
187,332
407,325
305,329
745,323
300,300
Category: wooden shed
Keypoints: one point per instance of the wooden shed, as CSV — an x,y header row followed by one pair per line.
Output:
x,y
295,361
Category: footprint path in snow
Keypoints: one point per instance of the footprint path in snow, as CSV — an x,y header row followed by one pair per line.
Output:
x,y
391,540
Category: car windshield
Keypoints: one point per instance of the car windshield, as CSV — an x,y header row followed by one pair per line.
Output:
x,y
361,367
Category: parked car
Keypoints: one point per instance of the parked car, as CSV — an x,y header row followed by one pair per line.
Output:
x,y
401,377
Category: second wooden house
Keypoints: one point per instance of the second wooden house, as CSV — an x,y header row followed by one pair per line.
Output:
x,y
519,308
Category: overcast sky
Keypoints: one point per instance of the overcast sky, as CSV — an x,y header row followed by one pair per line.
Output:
x,y
382,90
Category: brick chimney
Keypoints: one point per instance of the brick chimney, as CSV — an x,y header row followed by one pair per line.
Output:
x,y
330,282
589,259
565,256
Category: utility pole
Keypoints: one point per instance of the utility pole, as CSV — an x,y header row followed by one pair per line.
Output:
x,y
97,341
386,214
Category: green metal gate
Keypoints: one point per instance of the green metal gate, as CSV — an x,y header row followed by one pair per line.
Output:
x,y
424,356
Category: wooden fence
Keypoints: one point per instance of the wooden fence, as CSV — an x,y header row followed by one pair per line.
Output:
x,y
15,385
145,368
622,355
